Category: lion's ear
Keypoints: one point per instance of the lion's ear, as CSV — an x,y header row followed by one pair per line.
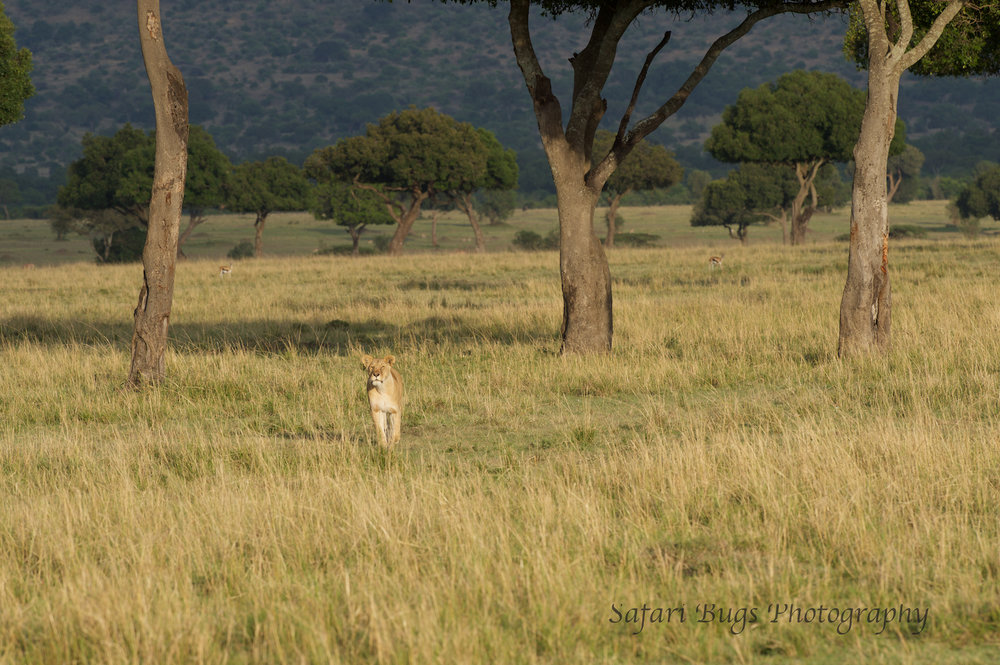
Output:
x,y
390,359
366,361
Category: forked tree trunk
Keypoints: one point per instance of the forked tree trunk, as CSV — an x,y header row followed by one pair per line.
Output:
x,y
194,219
355,232
609,239
465,201
583,266
258,235
159,257
801,211
866,306
405,221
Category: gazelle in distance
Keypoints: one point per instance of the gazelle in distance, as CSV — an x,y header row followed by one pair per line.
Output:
x,y
715,262
226,271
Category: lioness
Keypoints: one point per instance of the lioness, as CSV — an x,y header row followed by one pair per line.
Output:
x,y
385,395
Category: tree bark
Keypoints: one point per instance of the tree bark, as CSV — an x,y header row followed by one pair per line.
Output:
x,y
258,235
802,213
465,202
609,239
434,228
866,306
583,266
355,232
405,221
159,257
194,219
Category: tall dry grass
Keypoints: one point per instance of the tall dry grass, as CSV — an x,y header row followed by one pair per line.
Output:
x,y
722,454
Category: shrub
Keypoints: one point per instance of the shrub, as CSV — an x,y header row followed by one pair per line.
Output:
x,y
243,250
906,231
531,241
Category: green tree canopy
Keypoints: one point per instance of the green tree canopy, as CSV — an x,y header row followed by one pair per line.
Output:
x,y
646,167
15,70
803,120
750,194
408,157
265,187
981,198
499,175
351,207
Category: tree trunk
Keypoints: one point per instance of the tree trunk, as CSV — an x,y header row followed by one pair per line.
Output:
x,y
583,266
609,239
802,213
258,237
196,217
894,182
465,201
159,257
355,232
434,228
866,306
405,222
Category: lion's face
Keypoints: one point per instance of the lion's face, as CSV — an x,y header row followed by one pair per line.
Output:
x,y
379,369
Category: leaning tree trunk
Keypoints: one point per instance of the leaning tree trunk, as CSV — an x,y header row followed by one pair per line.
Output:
x,y
405,221
258,235
194,219
866,306
465,201
159,257
609,239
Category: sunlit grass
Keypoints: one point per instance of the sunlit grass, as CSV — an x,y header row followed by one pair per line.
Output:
x,y
721,454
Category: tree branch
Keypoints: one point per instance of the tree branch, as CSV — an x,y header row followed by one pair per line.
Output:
x,y
640,79
394,208
933,33
644,127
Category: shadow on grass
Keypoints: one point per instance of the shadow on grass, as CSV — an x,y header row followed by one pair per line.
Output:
x,y
271,336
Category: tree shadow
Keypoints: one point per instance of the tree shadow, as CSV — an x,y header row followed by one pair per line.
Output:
x,y
270,336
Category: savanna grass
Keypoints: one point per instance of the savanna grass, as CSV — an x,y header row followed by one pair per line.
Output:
x,y
721,454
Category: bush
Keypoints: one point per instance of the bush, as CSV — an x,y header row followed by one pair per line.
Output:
x,y
243,250
531,241
382,243
906,231
636,239
126,246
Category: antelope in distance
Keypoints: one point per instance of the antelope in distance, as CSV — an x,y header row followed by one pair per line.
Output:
x,y
715,262
226,271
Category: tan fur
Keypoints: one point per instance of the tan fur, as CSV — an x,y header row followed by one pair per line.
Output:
x,y
714,262
226,271
385,396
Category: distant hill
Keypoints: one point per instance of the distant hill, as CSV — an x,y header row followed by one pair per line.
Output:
x,y
285,77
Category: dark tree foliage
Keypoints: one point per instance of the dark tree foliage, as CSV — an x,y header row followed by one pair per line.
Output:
x,y
265,187
407,158
350,207
982,197
15,69
969,45
751,194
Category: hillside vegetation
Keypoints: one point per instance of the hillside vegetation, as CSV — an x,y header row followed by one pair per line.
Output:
x,y
287,77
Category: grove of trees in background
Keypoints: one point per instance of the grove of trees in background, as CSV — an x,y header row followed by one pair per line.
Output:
x,y
411,156
261,188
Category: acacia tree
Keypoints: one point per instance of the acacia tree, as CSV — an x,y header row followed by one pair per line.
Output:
x,y
405,159
159,258
208,170
751,194
265,187
904,167
499,175
647,167
15,71
889,38
982,197
803,120
351,207
578,174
